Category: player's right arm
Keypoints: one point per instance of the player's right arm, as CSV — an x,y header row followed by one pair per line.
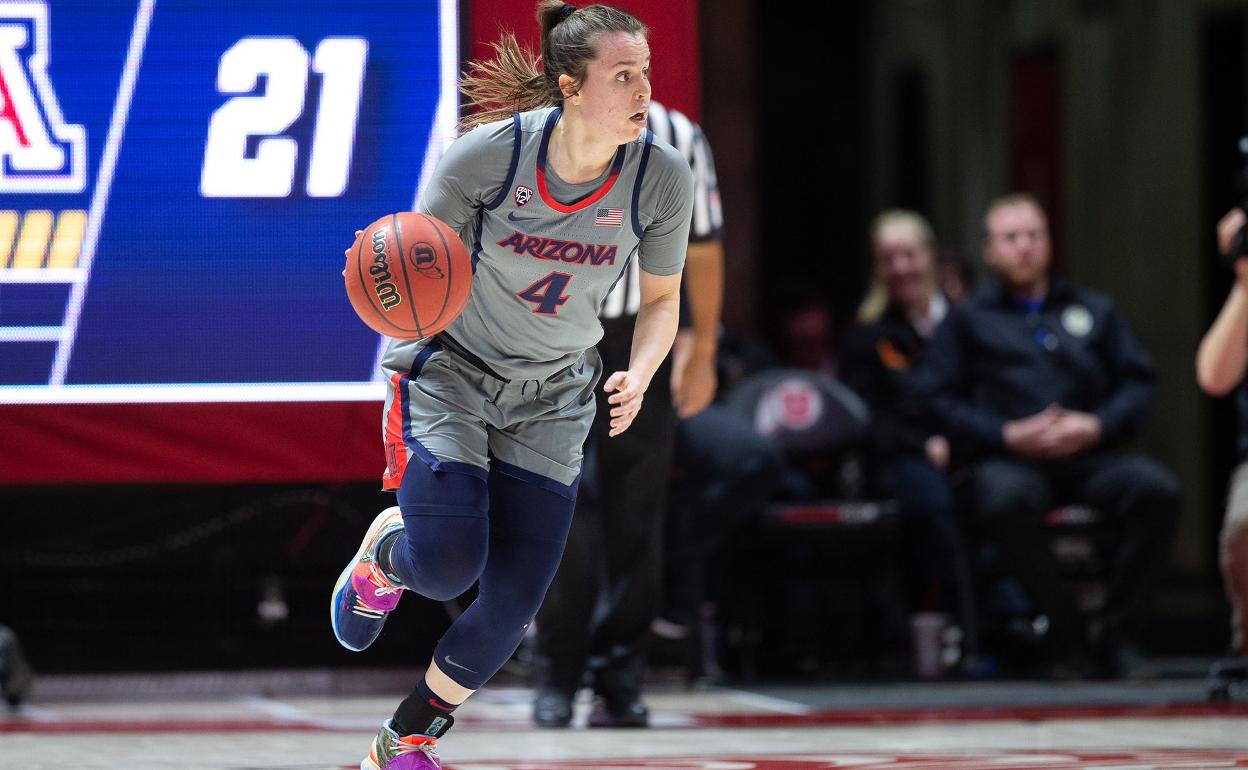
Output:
x,y
661,257
469,176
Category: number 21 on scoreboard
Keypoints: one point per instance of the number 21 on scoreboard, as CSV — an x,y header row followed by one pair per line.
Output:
x,y
285,64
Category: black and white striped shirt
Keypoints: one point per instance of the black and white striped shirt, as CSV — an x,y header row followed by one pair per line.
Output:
x,y
686,136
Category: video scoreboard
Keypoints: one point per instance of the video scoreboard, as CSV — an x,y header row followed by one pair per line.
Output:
x,y
179,179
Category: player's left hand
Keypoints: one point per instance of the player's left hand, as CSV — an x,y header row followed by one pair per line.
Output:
x,y
627,390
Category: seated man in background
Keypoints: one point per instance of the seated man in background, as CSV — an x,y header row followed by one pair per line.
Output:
x,y
1221,363
1037,383
908,456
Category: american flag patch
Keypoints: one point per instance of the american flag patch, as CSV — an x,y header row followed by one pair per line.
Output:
x,y
609,217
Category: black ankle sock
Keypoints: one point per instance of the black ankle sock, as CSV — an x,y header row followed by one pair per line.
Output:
x,y
423,713
429,696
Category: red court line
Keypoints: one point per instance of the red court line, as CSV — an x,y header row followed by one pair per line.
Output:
x,y
695,721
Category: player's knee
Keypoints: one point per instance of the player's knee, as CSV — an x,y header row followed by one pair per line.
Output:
x,y
446,553
514,609
446,519
514,590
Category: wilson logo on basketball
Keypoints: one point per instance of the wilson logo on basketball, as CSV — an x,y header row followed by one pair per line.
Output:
x,y
425,260
387,293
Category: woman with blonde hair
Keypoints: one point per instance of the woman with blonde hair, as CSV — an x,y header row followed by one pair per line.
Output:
x,y
908,458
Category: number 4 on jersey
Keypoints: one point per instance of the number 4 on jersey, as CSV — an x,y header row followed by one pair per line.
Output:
x,y
547,293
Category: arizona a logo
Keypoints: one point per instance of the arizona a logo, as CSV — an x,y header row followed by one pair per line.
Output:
x,y
39,151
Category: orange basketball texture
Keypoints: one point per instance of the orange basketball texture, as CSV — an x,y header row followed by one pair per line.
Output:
x,y
408,275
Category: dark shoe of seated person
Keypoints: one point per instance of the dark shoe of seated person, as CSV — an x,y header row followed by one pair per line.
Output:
x,y
1068,672
1233,667
552,707
16,676
1125,662
1072,662
609,712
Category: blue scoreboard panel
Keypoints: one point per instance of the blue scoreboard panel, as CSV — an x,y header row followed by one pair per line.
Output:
x,y
179,179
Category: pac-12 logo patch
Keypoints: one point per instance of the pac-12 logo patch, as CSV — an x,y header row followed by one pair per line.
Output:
x,y
523,195
39,151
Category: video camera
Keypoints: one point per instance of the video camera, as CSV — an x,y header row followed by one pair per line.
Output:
x,y
1239,247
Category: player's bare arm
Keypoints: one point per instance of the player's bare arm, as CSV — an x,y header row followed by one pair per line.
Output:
x,y
657,320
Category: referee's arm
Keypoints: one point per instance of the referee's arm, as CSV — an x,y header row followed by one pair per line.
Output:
x,y
693,376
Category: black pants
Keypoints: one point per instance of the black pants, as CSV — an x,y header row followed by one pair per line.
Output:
x,y
1010,497
726,472
934,557
606,590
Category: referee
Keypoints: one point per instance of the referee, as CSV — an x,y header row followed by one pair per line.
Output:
x,y
606,592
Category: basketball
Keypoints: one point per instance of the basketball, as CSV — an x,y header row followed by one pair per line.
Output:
x,y
408,275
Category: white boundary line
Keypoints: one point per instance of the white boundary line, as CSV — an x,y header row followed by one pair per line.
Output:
x,y
279,710
286,712
103,185
39,714
445,119
275,392
765,702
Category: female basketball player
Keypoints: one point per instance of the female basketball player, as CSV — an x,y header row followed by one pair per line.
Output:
x,y
484,422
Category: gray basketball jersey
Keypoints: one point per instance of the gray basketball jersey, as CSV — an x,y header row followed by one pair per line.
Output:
x,y
541,267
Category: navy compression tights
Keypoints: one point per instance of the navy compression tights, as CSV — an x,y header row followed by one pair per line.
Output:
x,y
458,529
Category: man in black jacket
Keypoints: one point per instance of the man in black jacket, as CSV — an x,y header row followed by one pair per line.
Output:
x,y
1037,382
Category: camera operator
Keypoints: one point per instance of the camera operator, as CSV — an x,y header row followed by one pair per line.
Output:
x,y
1221,362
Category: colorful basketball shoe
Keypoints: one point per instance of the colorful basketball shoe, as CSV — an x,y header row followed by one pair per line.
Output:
x,y
392,751
364,595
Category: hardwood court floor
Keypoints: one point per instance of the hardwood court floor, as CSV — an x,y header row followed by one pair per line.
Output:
x,y
132,723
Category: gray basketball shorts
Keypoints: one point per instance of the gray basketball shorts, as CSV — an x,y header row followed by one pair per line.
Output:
x,y
446,412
